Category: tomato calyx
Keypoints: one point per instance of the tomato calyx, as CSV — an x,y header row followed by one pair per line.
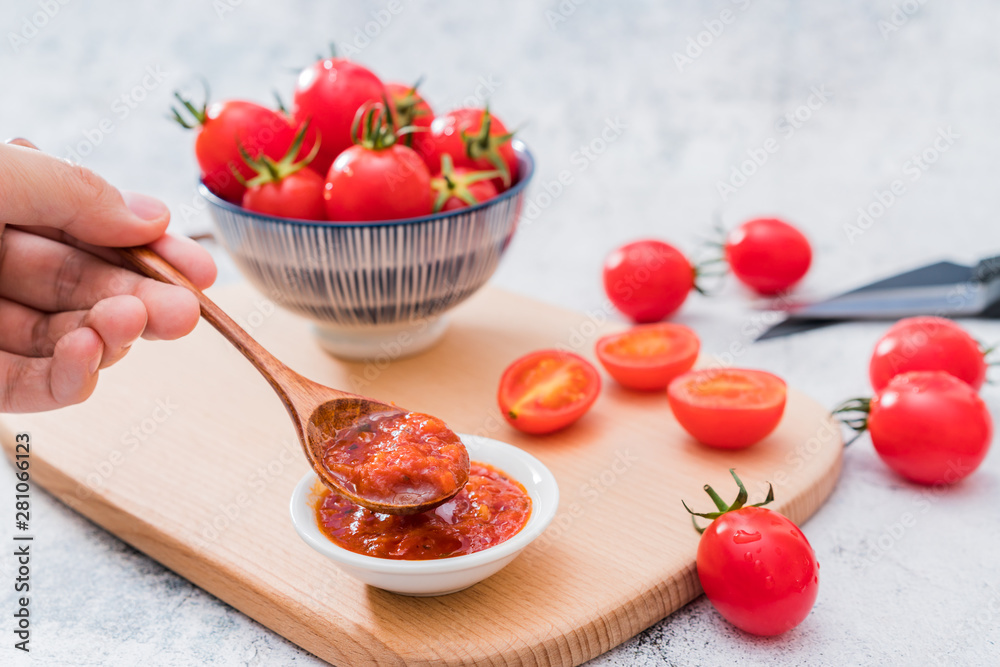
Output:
x,y
200,114
853,413
705,269
275,171
377,126
716,265
485,145
723,508
449,184
408,106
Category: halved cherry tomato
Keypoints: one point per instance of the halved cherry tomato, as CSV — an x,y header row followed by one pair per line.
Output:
x,y
547,390
648,356
730,408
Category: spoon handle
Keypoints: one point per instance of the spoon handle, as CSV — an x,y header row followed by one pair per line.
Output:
x,y
281,377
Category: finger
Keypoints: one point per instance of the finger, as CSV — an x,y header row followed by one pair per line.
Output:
x,y
31,333
49,276
188,256
40,190
119,321
68,377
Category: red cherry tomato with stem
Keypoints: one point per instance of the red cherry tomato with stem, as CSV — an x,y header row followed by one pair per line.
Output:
x,y
756,567
768,255
928,426
475,139
378,178
547,390
649,356
222,128
286,188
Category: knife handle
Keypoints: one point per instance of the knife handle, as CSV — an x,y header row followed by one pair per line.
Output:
x,y
987,269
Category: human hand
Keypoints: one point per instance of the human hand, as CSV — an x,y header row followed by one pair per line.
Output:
x,y
67,306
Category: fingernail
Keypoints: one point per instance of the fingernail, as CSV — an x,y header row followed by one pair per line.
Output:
x,y
95,363
144,206
21,141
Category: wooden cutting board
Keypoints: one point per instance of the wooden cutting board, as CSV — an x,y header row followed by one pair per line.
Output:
x,y
184,453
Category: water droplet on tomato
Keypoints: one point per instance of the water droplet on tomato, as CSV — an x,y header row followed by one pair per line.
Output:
x,y
744,536
748,556
758,567
768,582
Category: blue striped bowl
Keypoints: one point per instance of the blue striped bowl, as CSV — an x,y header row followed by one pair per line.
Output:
x,y
373,289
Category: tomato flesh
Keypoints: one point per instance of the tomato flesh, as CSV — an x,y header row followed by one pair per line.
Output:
x,y
728,408
489,510
758,570
927,344
930,427
649,356
398,459
547,390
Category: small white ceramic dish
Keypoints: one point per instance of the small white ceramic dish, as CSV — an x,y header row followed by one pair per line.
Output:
x,y
444,575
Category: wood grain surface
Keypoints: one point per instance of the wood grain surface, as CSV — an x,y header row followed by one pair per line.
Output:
x,y
185,453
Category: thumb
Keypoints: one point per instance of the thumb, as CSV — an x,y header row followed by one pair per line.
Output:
x,y
39,190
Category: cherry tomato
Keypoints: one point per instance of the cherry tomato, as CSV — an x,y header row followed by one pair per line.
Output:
x,y
458,188
547,390
377,179
223,128
930,427
330,92
298,195
647,280
649,356
756,567
286,188
768,255
411,110
475,139
730,408
927,344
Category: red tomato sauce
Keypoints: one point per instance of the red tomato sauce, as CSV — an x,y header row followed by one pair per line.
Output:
x,y
398,458
491,509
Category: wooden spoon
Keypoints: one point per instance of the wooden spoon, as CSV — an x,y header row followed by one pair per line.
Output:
x,y
318,412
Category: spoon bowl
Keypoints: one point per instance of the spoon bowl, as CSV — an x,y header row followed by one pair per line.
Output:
x,y
318,412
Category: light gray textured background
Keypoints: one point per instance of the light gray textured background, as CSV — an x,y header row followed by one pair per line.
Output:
x,y
929,593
